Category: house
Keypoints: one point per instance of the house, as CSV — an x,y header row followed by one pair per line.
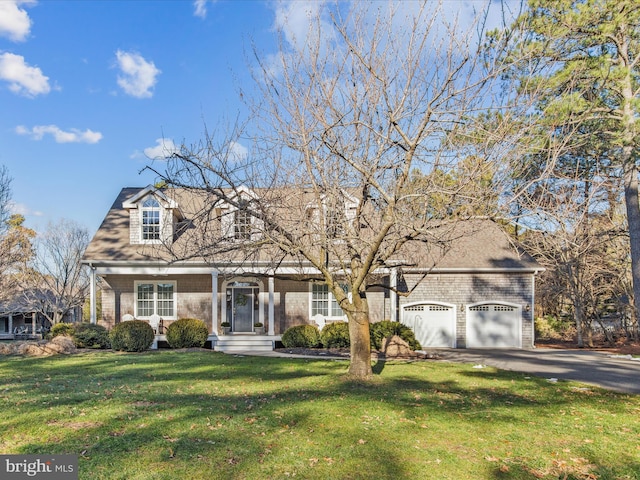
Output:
x,y
23,314
478,291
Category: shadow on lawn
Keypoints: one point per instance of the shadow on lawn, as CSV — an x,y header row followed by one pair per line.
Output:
x,y
135,416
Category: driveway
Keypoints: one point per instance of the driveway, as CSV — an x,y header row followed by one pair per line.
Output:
x,y
619,373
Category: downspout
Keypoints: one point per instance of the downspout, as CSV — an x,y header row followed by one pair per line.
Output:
x,y
214,302
393,295
92,296
533,308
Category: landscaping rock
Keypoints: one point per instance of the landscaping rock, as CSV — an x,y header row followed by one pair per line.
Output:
x,y
395,347
59,345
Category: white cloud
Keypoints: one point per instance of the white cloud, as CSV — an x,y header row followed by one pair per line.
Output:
x,y
238,152
22,209
60,136
23,79
295,18
200,7
15,24
138,76
164,148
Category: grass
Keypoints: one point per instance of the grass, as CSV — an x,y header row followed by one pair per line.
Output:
x,y
204,415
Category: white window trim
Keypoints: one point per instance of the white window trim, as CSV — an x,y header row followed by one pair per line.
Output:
x,y
330,300
160,211
155,298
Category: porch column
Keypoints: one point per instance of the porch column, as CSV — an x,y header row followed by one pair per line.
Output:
x,y
10,324
214,302
272,328
92,296
393,296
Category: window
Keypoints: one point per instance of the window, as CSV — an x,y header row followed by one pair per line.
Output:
x,y
242,222
150,219
155,297
323,302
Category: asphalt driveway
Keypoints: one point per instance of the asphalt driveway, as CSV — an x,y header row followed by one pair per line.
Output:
x,y
618,373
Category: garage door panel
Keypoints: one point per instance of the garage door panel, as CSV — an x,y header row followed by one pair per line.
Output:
x,y
494,325
433,324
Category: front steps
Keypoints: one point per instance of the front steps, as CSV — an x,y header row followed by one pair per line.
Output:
x,y
238,342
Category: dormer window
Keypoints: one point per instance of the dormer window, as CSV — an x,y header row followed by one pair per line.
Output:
x,y
242,222
150,221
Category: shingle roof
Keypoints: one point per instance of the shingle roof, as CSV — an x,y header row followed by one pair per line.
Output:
x,y
472,244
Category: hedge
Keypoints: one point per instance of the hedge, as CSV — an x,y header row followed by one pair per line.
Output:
x,y
305,336
88,335
387,328
187,333
335,335
132,336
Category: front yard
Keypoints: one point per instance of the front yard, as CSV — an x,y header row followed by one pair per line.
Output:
x,y
202,415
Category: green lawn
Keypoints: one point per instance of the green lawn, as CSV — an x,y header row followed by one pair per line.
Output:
x,y
203,415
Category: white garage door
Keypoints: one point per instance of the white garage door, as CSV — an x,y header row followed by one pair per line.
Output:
x,y
495,325
434,324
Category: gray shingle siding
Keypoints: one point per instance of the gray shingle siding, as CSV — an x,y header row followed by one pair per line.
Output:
x,y
464,289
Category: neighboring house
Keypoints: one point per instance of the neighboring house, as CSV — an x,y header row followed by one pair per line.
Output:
x,y
21,314
479,292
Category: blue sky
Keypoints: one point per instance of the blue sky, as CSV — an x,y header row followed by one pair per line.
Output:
x,y
88,90
86,87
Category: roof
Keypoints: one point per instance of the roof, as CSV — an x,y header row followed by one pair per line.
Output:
x,y
464,245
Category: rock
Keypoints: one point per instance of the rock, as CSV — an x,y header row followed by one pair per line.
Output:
x,y
395,347
59,345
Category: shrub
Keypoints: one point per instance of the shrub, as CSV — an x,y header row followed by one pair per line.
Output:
x,y
553,328
186,333
65,329
387,328
88,335
335,335
306,336
131,336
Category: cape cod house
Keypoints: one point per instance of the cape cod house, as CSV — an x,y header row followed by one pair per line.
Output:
x,y
479,292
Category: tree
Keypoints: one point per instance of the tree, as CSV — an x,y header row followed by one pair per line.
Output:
x,y
5,196
16,250
54,281
343,116
584,55
579,244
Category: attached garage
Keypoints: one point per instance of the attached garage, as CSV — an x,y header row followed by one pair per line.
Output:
x,y
494,325
434,324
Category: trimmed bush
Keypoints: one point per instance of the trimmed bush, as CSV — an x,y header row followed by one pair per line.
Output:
x,y
387,328
88,335
131,336
65,329
305,336
335,335
187,333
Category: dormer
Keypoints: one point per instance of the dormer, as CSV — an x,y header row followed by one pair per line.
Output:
x,y
153,216
238,216
338,210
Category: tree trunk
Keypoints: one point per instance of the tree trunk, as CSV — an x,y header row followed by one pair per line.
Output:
x,y
360,366
578,312
633,219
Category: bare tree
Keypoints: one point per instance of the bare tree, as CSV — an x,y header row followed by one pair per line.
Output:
x,y
16,250
55,282
343,118
5,196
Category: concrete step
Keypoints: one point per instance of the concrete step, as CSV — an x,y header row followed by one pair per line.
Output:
x,y
231,343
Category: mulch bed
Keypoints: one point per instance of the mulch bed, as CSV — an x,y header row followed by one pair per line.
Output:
x,y
344,353
622,347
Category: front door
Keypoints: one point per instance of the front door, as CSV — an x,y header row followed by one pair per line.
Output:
x,y
243,308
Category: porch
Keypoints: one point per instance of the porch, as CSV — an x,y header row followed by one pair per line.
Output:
x,y
236,342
